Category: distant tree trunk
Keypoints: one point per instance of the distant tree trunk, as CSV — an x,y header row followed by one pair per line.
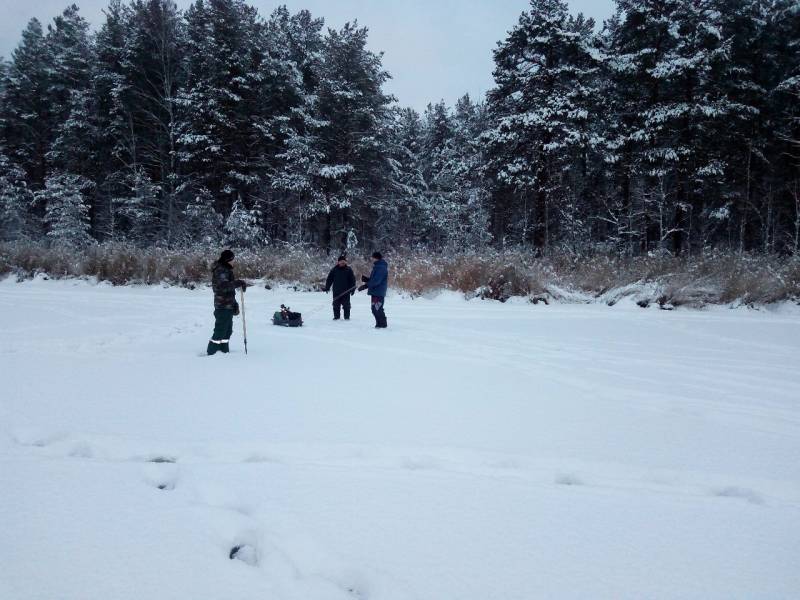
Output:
x,y
796,194
745,203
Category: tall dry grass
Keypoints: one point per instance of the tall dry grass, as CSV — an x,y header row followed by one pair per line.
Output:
x,y
717,278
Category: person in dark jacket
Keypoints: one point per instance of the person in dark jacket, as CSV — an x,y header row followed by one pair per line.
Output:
x,y
225,306
343,282
377,284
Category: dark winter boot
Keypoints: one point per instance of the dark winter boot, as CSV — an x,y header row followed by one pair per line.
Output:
x,y
224,348
212,347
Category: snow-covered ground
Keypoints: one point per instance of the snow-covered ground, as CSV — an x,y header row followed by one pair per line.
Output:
x,y
474,450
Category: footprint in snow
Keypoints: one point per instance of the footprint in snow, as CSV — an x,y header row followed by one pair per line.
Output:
x,y
356,593
245,553
261,458
82,450
421,463
163,476
162,459
568,479
358,590
31,436
747,494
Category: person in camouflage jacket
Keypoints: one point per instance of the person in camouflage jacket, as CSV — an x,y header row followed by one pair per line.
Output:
x,y
224,286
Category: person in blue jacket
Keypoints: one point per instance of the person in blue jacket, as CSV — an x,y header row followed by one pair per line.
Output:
x,y
376,284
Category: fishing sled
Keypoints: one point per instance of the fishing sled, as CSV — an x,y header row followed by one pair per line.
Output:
x,y
286,318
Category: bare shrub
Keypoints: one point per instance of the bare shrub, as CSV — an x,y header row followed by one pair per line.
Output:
x,y
691,281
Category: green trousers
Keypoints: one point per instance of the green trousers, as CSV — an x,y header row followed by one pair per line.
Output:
x,y
223,328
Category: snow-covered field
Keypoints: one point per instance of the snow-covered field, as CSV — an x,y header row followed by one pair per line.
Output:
x,y
474,450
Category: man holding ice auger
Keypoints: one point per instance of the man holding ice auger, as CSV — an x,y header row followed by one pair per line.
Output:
x,y
225,305
343,282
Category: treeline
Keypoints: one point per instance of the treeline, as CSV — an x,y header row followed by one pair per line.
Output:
x,y
674,127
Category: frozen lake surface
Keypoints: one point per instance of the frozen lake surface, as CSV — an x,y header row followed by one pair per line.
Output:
x,y
473,451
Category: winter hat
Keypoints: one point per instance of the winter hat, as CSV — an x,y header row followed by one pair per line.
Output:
x,y
342,257
377,255
226,256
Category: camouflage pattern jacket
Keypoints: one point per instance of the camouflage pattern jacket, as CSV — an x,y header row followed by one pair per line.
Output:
x,y
224,286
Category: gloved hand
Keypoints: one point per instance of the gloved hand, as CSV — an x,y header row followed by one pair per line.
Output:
x,y
326,290
353,293
241,283
364,278
362,288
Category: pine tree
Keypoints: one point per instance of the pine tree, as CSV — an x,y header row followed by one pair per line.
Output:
x,y
71,55
222,84
300,37
674,128
670,64
74,148
439,202
137,211
15,200
66,209
294,190
402,210
202,224
242,229
780,223
355,112
541,106
466,164
115,135
26,109
297,180
152,73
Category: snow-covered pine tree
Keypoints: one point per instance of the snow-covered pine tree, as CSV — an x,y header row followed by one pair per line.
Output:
x,y
300,36
283,107
152,73
73,151
201,223
66,209
545,70
437,149
454,199
217,105
71,58
294,193
296,182
355,112
466,164
670,56
15,200
25,113
402,217
240,103
781,215
621,215
115,134
242,229
137,210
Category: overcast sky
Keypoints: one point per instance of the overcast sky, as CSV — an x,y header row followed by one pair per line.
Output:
x,y
434,49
